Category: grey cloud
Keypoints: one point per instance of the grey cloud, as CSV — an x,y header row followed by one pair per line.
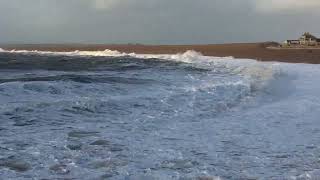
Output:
x,y
287,5
146,21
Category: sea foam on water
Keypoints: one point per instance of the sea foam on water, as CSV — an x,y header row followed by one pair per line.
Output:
x,y
107,114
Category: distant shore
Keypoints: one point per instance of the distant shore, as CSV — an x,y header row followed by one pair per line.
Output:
x,y
258,51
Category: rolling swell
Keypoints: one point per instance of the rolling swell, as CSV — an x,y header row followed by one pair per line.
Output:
x,y
82,79
65,63
84,63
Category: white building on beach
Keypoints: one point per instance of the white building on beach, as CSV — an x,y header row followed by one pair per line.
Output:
x,y
306,39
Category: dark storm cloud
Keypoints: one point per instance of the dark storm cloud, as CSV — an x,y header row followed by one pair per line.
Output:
x,y
154,21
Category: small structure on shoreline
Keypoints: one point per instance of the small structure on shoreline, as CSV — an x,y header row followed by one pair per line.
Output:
x,y
306,40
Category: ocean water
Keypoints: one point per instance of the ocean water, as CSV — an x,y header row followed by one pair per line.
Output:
x,y
110,115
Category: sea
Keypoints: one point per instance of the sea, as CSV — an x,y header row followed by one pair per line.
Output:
x,y
110,115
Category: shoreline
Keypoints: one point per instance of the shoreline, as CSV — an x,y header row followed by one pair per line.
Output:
x,y
259,51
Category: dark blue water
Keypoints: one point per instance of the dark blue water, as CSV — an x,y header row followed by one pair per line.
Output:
x,y
85,117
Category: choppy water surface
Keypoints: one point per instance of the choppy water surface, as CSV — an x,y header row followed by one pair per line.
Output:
x,y
79,116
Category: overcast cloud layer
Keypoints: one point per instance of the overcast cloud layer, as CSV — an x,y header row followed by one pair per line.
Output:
x,y
155,21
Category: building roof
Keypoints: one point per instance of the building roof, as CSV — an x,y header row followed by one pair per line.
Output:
x,y
307,35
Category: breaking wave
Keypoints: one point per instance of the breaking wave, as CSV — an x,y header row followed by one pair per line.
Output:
x,y
260,74
106,52
189,56
232,82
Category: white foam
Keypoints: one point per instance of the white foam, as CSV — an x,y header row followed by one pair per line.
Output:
x,y
312,175
189,56
106,52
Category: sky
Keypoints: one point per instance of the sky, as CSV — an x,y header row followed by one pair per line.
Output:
x,y
156,21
